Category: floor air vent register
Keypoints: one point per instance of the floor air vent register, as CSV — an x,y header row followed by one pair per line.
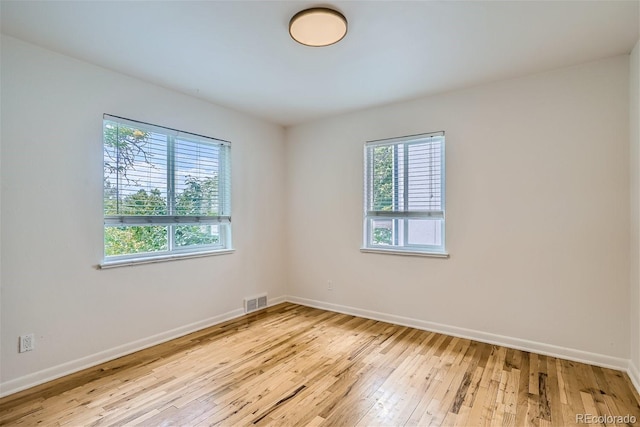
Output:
x,y
255,303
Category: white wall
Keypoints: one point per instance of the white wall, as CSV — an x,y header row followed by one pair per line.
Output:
x,y
1,185
537,213
634,118
538,183
52,109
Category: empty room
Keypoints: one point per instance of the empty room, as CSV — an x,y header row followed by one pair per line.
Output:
x,y
353,213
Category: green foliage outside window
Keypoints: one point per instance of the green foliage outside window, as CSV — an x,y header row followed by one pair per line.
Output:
x,y
383,190
197,197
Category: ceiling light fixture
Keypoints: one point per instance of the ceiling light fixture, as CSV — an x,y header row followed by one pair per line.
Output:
x,y
318,26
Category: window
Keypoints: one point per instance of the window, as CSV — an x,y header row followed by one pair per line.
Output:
x,y
404,195
166,192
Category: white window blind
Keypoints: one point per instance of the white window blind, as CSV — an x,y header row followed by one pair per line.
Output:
x,y
165,191
404,193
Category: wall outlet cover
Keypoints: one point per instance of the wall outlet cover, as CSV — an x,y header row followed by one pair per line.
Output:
x,y
27,343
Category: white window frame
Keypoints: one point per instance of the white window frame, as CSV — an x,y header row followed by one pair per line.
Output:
x,y
173,252
404,214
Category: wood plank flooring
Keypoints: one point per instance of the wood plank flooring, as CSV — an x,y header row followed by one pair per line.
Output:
x,y
292,365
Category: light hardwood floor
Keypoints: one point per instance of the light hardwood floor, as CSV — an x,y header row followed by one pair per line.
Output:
x,y
294,365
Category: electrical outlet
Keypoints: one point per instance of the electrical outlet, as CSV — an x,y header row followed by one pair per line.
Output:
x,y
330,285
27,343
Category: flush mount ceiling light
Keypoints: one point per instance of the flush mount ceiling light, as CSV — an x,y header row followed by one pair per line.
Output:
x,y
318,26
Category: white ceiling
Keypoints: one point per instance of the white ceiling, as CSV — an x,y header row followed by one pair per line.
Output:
x,y
239,54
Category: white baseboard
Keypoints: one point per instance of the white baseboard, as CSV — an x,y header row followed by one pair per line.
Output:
x,y
37,378
55,372
516,343
276,301
634,374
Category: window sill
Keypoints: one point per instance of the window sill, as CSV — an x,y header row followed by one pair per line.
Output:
x,y
160,258
405,253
